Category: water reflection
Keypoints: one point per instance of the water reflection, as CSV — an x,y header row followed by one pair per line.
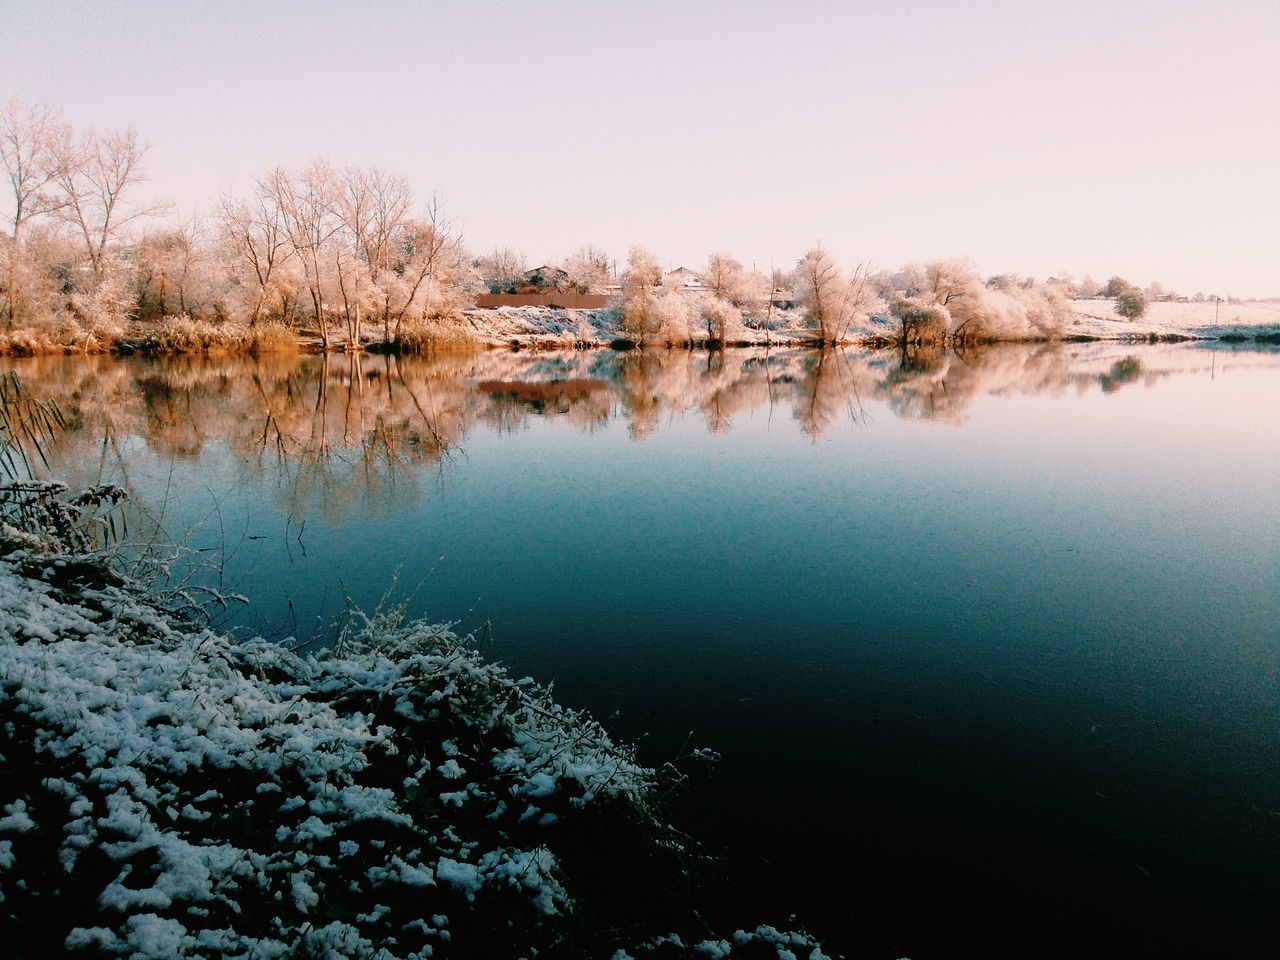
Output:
x,y
585,401
340,427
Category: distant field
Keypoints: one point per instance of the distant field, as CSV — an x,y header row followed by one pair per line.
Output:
x,y
1098,317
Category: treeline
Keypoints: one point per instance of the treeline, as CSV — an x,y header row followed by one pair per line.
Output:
x,y
940,301
341,256
321,250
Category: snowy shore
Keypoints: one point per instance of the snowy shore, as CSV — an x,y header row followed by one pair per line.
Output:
x,y
1205,320
551,328
169,792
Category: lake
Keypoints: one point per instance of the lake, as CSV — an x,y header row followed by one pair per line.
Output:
x,y
989,641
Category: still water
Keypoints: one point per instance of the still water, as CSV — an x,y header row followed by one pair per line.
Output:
x,y
989,641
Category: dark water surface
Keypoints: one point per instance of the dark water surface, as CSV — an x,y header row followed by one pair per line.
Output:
x,y
989,642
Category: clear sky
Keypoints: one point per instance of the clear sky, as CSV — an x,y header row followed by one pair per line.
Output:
x,y
1139,137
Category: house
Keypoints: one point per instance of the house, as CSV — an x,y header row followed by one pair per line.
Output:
x,y
684,277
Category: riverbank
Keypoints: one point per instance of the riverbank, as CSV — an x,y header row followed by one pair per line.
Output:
x,y
553,328
167,791
547,328
1257,320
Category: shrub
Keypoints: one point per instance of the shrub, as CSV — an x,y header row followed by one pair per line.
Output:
x,y
922,322
1131,304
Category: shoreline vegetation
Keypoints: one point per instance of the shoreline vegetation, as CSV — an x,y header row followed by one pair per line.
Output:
x,y
328,258
552,328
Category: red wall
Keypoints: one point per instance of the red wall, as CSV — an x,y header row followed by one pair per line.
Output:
x,y
571,301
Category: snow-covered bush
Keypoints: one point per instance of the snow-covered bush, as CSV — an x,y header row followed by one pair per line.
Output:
x,y
834,301
166,792
921,320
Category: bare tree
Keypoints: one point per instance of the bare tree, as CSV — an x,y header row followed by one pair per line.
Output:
x,y
722,275
501,269
425,277
589,270
94,181
834,299
254,232
308,216
33,149
373,206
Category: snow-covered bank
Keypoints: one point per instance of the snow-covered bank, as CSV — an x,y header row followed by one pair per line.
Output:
x,y
167,792
552,328
1204,320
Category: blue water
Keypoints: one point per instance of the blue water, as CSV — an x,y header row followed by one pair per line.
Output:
x,y
989,643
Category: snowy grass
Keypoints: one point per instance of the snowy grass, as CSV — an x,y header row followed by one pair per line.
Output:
x,y
1097,318
185,335
167,792
547,328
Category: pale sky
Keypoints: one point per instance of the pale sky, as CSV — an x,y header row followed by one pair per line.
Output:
x,y
1140,138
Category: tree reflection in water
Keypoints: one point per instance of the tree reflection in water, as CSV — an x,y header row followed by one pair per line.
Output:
x,y
329,431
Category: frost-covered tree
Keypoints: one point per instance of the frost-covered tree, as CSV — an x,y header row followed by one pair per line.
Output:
x,y
352,241
834,300
722,276
949,283
589,271
265,271
674,313
306,203
729,281
502,269
34,149
429,277
947,299
173,273
754,293
39,273
372,205
638,300
96,183
720,320
1088,288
